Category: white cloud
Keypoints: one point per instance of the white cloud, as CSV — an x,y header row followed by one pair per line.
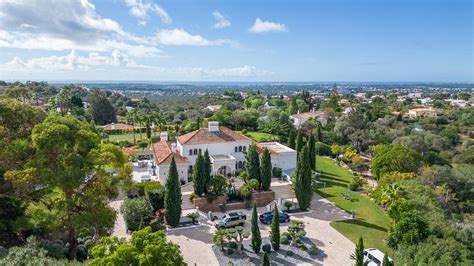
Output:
x,y
222,21
140,9
261,26
181,37
70,62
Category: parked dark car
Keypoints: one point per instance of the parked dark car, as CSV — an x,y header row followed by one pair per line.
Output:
x,y
266,218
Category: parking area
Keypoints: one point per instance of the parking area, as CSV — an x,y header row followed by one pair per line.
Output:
x,y
196,242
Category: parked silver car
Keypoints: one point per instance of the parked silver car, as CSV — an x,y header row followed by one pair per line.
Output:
x,y
230,220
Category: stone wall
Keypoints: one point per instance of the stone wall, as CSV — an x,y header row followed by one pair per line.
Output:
x,y
261,198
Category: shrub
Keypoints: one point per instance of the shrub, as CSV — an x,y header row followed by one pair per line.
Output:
x,y
136,212
288,205
55,250
285,239
157,198
145,187
322,149
193,216
219,185
355,183
277,172
81,254
244,131
289,253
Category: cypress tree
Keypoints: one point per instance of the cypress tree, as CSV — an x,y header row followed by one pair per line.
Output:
x,y
275,229
318,133
299,141
207,170
253,163
302,180
312,151
266,170
291,139
359,253
256,238
265,259
173,196
198,175
386,262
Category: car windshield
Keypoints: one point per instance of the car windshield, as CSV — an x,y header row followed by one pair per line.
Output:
x,y
226,219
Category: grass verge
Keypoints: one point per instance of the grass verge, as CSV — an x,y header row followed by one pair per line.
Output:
x,y
371,221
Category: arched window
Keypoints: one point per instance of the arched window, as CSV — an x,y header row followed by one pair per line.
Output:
x,y
190,152
240,148
241,164
195,151
200,151
245,148
236,148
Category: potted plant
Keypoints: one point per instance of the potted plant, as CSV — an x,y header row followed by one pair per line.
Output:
x,y
288,205
193,216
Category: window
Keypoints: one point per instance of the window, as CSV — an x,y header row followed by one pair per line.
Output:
x,y
240,148
241,164
200,151
236,165
191,152
195,151
236,148
245,148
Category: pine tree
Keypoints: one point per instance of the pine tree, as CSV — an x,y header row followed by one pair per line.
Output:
x,y
253,163
265,259
275,229
198,175
266,170
312,151
256,238
291,139
299,141
302,180
207,170
173,196
359,253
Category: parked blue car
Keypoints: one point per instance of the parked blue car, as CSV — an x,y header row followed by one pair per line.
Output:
x,y
266,218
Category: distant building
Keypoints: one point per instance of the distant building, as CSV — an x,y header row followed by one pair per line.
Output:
x,y
282,156
422,112
213,108
458,103
301,118
267,106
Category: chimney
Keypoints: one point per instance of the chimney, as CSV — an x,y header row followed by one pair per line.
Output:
x,y
173,147
113,125
164,136
213,126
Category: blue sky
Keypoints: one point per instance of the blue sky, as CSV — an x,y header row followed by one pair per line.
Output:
x,y
332,40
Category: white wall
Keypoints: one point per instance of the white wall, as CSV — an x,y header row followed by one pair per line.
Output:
x,y
285,161
163,170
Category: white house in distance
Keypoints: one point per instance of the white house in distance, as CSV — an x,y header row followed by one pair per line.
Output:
x,y
213,108
301,118
227,149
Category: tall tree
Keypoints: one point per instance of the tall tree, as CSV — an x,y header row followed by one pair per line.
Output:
x,y
70,165
312,151
199,175
299,141
173,196
132,118
207,170
318,131
359,253
302,180
101,109
275,230
266,170
256,237
265,259
292,139
253,163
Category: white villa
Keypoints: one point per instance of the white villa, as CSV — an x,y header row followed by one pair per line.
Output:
x,y
226,148
301,118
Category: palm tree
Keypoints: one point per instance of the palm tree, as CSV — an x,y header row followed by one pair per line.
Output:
x,y
391,193
131,118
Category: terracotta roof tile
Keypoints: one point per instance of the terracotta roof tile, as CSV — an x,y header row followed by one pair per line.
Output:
x,y
203,135
162,154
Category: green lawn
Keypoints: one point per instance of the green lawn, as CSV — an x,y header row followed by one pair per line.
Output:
x,y
260,136
371,221
129,137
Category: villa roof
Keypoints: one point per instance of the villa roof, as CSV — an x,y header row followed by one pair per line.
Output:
x,y
274,148
202,136
308,115
118,126
162,153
